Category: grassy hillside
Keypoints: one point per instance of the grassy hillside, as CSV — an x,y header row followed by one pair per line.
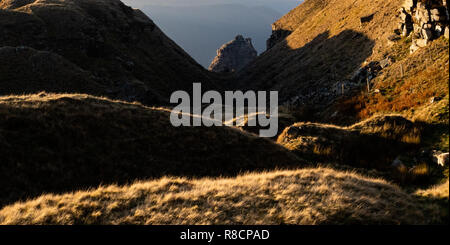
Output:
x,y
62,142
434,201
309,196
112,44
326,44
392,144
321,46
373,143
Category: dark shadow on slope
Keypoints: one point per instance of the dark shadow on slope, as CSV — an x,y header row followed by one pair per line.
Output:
x,y
390,144
276,37
54,145
120,51
437,207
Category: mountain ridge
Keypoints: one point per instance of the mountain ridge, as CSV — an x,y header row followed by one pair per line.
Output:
x,y
119,46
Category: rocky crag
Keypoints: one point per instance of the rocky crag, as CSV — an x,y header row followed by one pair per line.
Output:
x,y
234,55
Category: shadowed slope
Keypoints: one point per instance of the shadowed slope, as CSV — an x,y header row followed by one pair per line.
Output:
x,y
308,196
53,143
317,53
118,46
324,43
26,70
307,75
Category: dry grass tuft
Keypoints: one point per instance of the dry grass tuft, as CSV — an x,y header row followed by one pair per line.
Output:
x,y
308,196
326,45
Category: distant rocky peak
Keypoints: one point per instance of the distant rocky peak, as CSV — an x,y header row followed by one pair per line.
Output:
x,y
234,55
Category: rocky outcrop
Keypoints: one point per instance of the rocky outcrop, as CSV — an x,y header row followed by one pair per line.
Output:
x,y
440,158
277,36
234,55
118,47
424,20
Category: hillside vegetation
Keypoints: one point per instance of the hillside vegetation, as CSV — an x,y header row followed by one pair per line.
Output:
x,y
373,143
83,153
65,142
308,196
103,46
319,47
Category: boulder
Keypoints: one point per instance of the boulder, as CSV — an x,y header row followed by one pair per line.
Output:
x,y
416,28
438,30
421,42
406,23
436,15
393,38
417,43
422,13
427,33
434,99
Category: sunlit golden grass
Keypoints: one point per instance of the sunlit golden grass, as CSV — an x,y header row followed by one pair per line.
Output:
x,y
63,142
313,17
308,196
390,126
434,202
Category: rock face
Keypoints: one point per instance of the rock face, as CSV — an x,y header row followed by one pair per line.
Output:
x,y
104,47
277,36
425,20
234,55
